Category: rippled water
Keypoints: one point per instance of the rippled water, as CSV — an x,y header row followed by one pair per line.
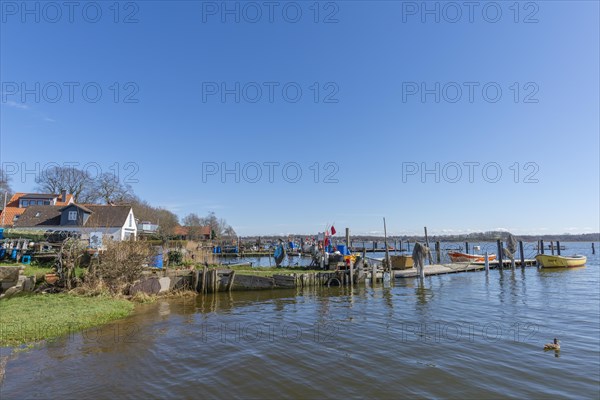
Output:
x,y
467,335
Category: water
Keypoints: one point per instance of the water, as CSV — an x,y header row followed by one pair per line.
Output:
x,y
467,335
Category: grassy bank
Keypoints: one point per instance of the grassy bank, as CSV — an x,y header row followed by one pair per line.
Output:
x,y
40,272
33,318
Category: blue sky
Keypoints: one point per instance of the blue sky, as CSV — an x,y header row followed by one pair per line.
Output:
x,y
360,120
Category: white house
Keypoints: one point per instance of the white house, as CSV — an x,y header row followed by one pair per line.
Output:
x,y
116,222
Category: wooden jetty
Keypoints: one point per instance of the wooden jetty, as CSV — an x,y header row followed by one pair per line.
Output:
x,y
441,269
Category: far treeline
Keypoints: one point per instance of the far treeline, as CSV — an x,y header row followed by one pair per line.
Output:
x,y
107,188
470,237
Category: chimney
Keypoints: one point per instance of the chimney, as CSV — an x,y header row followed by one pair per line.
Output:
x,y
63,194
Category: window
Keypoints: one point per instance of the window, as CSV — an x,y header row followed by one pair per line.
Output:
x,y
24,203
40,202
72,215
46,202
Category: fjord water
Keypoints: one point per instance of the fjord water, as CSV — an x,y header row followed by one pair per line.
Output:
x,y
467,335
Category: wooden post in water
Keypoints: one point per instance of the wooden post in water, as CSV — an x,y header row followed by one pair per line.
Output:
x,y
438,256
388,260
204,279
541,247
351,274
427,244
374,274
522,253
231,279
499,258
374,246
593,248
552,247
467,247
486,262
558,247
400,244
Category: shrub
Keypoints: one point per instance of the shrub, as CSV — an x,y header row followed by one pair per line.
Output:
x,y
121,264
175,257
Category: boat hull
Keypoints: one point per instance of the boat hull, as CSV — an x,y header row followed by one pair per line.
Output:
x,y
549,261
463,257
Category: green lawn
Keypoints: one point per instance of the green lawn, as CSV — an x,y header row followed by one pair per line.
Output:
x,y
40,272
32,318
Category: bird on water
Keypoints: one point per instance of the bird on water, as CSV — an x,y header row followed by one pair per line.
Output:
x,y
552,346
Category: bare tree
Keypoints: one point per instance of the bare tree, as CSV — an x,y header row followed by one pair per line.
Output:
x,y
77,182
4,186
145,212
193,223
108,189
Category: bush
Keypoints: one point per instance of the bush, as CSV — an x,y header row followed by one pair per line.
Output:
x,y
175,257
121,264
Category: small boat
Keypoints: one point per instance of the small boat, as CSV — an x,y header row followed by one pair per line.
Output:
x,y
456,256
549,261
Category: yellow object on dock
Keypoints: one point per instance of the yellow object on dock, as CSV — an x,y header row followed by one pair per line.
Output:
x,y
402,262
549,261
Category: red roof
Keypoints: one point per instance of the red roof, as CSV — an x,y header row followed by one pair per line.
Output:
x,y
9,214
14,200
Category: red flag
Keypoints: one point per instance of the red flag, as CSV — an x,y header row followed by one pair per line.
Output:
x,y
332,230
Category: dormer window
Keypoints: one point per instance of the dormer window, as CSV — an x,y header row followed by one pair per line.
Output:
x,y
72,215
24,203
37,214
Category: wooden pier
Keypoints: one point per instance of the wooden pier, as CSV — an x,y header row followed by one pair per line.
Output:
x,y
441,269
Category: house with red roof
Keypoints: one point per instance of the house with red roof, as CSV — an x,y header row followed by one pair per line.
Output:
x,y
19,202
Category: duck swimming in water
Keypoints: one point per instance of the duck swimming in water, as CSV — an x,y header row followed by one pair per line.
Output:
x,y
552,346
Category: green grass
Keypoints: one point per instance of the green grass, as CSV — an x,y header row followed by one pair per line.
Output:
x,y
28,319
40,272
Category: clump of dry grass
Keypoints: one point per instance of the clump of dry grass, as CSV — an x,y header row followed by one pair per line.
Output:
x,y
143,298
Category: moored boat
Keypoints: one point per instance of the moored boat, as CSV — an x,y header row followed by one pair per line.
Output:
x,y
456,256
550,261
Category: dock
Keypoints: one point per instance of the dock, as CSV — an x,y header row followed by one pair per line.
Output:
x,y
441,269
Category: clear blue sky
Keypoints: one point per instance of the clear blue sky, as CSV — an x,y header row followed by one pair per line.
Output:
x,y
178,54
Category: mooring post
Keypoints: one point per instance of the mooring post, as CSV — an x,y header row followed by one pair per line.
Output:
x,y
500,261
522,254
351,274
348,238
427,244
374,274
541,247
374,246
438,256
487,262
552,247
408,245
388,260
558,247
593,248
467,247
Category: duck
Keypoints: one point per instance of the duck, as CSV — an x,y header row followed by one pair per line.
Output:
x,y
552,346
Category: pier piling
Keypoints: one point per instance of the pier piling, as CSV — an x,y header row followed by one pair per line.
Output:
x,y
500,261
522,253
